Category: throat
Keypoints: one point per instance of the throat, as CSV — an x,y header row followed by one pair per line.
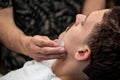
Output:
x,y
74,78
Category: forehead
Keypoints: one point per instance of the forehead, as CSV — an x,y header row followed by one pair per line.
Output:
x,y
92,20
95,18
98,14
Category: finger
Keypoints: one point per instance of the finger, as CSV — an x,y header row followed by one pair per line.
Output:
x,y
56,40
33,48
45,37
51,50
46,50
51,56
42,56
42,41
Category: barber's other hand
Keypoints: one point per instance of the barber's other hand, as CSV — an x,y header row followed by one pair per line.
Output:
x,y
41,48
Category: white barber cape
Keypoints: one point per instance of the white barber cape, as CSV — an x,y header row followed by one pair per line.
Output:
x,y
32,70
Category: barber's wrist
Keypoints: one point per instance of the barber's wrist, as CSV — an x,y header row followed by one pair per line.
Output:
x,y
24,40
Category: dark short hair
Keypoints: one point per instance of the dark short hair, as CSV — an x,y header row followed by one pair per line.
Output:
x,y
104,42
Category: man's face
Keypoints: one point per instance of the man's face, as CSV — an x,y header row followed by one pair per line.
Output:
x,y
75,36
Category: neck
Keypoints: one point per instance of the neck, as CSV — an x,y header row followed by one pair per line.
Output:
x,y
66,70
81,77
74,76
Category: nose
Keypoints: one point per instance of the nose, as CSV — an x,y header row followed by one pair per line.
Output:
x,y
79,18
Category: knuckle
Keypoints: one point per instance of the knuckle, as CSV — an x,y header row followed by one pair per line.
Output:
x,y
44,51
41,41
50,44
36,36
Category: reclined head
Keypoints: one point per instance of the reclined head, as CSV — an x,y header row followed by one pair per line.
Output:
x,y
93,48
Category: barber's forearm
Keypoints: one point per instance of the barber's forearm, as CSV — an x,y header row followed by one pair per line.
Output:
x,y
92,5
10,35
12,39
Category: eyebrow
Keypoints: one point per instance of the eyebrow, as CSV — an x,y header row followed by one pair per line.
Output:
x,y
69,27
73,23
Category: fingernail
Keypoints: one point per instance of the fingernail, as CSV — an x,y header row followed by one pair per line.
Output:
x,y
62,50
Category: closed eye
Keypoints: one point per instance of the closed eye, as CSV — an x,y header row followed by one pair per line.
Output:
x,y
69,27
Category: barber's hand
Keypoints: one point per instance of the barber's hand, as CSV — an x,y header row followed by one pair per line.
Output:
x,y
42,48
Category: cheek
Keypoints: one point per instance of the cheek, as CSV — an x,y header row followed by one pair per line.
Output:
x,y
70,43
72,38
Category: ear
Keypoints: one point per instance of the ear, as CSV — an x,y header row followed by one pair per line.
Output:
x,y
83,53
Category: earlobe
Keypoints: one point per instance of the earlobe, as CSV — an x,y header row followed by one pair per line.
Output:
x,y
83,53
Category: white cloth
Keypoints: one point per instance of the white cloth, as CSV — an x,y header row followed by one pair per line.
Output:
x,y
32,70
